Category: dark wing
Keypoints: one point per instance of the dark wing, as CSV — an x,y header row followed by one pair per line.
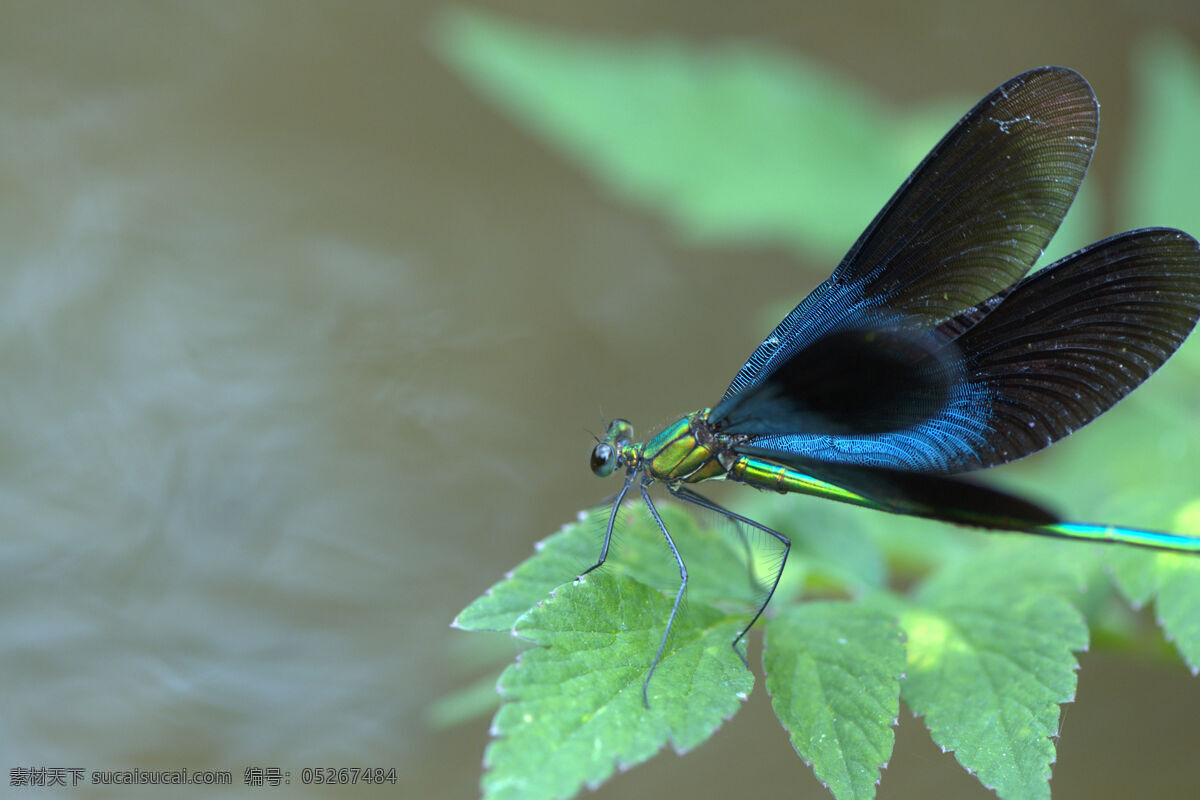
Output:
x,y
852,381
966,224
1057,350
1073,339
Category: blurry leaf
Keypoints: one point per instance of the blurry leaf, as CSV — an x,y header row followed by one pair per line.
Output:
x,y
1174,580
463,705
1163,183
1144,484
1133,571
833,672
1178,605
573,708
1187,520
486,652
917,546
1138,573
1163,188
733,142
990,643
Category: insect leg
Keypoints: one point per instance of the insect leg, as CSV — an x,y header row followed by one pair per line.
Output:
x,y
612,518
683,580
684,493
703,502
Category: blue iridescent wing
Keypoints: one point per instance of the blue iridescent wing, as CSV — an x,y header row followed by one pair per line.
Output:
x,y
869,379
968,222
1037,361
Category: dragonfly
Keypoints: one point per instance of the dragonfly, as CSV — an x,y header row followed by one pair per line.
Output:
x,y
930,352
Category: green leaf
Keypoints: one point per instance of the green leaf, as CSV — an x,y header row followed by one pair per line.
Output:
x,y
467,703
730,565
1163,188
1134,573
990,643
1178,605
559,559
573,708
1163,175
1174,580
733,142
833,672
568,718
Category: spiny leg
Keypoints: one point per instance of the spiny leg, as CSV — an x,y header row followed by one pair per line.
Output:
x,y
612,518
684,493
683,580
703,502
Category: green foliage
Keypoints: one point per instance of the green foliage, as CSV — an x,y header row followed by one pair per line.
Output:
x,y
990,644
573,709
732,143
1179,605
975,632
1164,167
833,671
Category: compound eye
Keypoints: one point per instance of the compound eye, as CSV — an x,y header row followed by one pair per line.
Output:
x,y
604,459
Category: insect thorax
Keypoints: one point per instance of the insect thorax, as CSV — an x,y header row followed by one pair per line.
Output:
x,y
687,451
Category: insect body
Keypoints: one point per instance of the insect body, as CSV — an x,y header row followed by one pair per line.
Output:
x,y
929,352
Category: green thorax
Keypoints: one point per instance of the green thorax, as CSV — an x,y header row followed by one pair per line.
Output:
x,y
686,451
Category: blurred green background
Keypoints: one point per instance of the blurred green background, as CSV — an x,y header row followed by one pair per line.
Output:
x,y
305,338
